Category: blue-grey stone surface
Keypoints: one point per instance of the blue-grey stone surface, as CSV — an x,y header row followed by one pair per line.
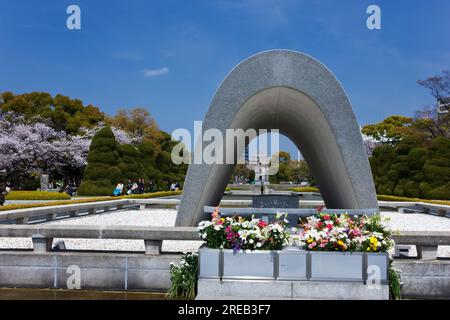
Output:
x,y
275,201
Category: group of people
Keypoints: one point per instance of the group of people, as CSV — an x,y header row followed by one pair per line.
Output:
x,y
133,187
4,190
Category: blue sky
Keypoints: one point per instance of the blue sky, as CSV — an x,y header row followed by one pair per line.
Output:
x,y
170,56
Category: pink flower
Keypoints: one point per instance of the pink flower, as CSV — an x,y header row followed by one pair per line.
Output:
x,y
215,213
326,217
262,224
312,245
355,232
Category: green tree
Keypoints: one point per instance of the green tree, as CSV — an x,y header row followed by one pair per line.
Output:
x,y
298,171
130,164
241,171
102,171
61,112
283,158
437,170
391,130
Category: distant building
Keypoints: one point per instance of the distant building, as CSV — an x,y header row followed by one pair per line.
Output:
x,y
443,106
260,163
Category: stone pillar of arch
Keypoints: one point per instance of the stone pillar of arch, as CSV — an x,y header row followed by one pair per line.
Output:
x,y
295,93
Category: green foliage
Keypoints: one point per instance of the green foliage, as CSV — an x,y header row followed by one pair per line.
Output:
x,y
305,189
241,171
395,282
390,130
62,112
184,278
95,188
382,197
413,169
150,160
289,169
36,195
130,164
102,171
283,167
164,170
88,200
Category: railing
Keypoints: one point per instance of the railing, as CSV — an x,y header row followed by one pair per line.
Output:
x,y
229,207
43,235
426,242
49,213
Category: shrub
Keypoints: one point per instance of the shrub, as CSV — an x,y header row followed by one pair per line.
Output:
x,y
442,192
93,188
305,189
404,199
152,195
36,195
129,165
93,199
102,172
184,278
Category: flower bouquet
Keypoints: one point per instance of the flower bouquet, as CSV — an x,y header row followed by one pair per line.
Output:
x,y
236,247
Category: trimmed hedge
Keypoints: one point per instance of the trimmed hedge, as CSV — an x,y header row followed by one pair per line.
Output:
x,y
382,197
93,199
37,195
102,172
305,189
151,195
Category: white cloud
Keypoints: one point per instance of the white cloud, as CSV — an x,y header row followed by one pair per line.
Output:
x,y
155,72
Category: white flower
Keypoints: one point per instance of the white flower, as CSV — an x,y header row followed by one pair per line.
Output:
x,y
259,244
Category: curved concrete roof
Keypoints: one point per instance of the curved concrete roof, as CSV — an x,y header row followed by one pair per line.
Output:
x,y
295,93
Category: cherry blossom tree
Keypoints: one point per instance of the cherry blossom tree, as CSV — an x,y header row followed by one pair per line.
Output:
x,y
30,149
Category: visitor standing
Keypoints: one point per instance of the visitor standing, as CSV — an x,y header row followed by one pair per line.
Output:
x,y
4,190
129,186
133,189
141,185
262,184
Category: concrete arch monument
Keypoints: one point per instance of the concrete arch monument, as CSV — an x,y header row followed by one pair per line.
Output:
x,y
292,92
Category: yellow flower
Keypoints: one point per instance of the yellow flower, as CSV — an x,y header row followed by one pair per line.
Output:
x,y
340,243
309,240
